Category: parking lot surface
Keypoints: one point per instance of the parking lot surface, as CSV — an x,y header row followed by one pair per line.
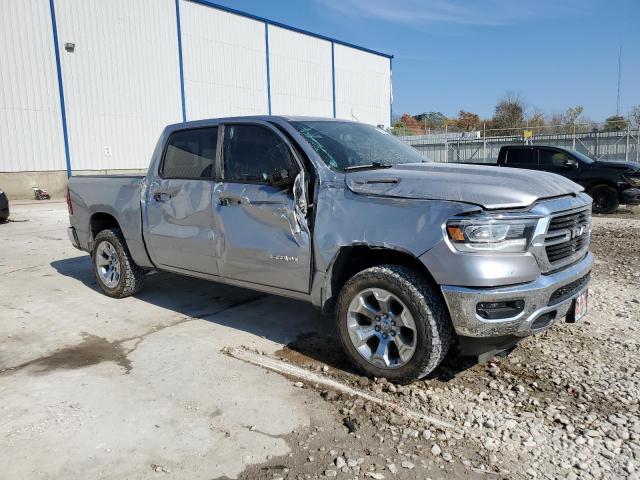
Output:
x,y
94,387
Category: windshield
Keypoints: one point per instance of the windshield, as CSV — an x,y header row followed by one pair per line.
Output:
x,y
582,156
348,145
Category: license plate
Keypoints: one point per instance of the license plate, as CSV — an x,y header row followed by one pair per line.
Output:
x,y
580,306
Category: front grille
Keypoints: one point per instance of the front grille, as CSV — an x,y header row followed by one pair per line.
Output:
x,y
568,290
568,234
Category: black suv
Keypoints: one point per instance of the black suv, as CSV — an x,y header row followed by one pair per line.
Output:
x,y
608,183
4,207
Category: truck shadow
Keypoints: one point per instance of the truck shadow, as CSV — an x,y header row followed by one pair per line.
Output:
x,y
308,338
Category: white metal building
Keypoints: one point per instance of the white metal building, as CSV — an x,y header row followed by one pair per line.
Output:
x,y
88,85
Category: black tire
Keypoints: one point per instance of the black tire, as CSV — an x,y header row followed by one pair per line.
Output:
x,y
426,305
605,199
131,275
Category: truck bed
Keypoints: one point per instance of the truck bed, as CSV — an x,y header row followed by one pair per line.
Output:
x,y
95,197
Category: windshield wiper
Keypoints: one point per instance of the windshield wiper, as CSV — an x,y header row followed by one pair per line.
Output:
x,y
367,166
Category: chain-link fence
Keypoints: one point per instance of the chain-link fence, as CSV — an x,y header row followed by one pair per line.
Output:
x,y
474,147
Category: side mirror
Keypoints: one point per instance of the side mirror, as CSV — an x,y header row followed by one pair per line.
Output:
x,y
571,163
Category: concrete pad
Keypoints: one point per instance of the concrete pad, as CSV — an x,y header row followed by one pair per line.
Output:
x,y
97,387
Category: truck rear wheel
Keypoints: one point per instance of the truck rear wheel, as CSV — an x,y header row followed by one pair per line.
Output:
x,y
393,323
605,199
116,272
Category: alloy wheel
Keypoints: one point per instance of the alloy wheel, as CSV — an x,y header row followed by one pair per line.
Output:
x,y
381,328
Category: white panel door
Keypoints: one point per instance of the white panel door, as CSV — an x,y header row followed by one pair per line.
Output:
x,y
301,75
122,80
225,63
363,86
30,123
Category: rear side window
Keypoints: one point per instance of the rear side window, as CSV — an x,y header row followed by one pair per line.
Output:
x,y
190,154
254,154
552,158
520,156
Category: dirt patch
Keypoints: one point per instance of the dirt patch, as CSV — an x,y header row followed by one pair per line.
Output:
x,y
344,449
318,352
91,351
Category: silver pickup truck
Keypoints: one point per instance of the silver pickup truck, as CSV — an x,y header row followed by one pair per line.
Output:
x,y
411,257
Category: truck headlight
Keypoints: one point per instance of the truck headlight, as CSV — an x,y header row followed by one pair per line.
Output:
x,y
633,179
486,234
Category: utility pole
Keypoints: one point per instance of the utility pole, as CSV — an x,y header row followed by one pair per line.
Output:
x,y
619,75
484,142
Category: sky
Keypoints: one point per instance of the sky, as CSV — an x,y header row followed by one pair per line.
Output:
x,y
465,55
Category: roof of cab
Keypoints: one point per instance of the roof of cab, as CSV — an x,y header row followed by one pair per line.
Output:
x,y
263,118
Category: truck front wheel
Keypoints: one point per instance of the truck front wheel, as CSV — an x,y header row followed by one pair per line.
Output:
x,y
393,323
605,199
115,270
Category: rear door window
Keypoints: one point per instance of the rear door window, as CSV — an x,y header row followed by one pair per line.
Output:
x,y
255,154
520,156
190,154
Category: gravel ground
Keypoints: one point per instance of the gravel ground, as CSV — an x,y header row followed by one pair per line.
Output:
x,y
564,404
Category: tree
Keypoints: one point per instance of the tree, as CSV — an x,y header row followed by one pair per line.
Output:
x,y
615,123
509,113
536,118
411,124
573,113
467,121
634,116
565,122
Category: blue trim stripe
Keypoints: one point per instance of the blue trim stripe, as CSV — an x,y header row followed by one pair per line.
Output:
x,y
184,105
288,27
63,112
333,77
266,39
391,93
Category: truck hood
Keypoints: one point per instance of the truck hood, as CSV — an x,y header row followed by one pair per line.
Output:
x,y
622,166
487,186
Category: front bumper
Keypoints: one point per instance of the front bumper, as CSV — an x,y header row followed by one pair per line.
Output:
x,y
73,237
631,196
545,301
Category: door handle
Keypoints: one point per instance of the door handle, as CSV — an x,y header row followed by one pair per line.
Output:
x,y
161,196
228,200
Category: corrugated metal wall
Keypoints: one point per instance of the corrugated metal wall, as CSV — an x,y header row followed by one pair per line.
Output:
x,y
363,86
301,74
225,66
122,81
30,122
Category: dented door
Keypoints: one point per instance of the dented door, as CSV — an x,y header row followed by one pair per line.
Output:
x,y
263,241
180,227
265,238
